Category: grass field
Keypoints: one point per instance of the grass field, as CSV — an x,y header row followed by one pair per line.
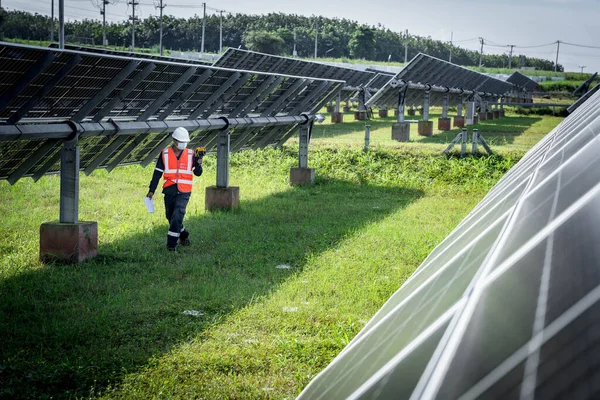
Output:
x,y
266,295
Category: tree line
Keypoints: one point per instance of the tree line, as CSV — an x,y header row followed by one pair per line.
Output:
x,y
273,33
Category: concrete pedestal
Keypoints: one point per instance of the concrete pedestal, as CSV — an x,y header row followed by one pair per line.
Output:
x,y
444,124
401,131
425,128
490,115
302,176
411,111
483,116
459,122
69,243
222,198
383,113
346,109
496,114
502,113
360,115
337,118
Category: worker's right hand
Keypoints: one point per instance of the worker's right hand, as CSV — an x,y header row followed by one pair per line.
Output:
x,y
149,195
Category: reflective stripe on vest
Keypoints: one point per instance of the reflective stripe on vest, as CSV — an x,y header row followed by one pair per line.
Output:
x,y
178,172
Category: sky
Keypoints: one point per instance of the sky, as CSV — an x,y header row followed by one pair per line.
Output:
x,y
533,26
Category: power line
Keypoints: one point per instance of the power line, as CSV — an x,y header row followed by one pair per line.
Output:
x,y
581,45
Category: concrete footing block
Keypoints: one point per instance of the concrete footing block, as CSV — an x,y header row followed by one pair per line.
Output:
x,y
476,119
346,109
360,115
444,124
69,243
459,122
425,128
337,118
490,115
302,176
222,198
383,113
483,116
496,114
502,113
401,131
411,111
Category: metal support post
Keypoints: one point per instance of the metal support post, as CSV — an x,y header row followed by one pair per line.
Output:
x,y
481,140
223,145
367,137
454,141
463,147
426,106
459,110
445,107
69,183
470,112
338,102
401,112
303,147
474,144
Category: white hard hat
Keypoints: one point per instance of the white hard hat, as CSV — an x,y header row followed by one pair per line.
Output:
x,y
181,134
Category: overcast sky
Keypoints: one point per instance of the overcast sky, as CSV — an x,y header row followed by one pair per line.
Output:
x,y
500,23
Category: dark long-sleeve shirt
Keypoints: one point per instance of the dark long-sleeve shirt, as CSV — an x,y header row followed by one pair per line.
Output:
x,y
160,167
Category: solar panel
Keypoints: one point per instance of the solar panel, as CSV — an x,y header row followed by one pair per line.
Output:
x,y
507,306
113,99
253,61
522,81
426,73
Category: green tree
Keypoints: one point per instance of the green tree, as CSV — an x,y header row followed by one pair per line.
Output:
x,y
362,43
264,42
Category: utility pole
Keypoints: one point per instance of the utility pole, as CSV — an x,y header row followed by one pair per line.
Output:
x,y
510,55
557,50
61,24
161,7
582,67
481,53
203,27
451,37
133,18
316,36
103,12
221,31
406,47
52,22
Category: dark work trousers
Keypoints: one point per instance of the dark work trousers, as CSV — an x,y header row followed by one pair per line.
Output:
x,y
175,205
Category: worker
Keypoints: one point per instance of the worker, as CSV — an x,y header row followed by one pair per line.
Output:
x,y
176,165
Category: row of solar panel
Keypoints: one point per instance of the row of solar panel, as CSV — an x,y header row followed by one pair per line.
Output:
x,y
507,305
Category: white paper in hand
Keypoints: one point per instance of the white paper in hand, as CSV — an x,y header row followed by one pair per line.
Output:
x,y
149,204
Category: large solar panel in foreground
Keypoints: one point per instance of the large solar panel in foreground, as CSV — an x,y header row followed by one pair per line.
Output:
x,y
508,305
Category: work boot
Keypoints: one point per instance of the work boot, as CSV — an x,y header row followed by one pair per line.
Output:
x,y
184,238
172,248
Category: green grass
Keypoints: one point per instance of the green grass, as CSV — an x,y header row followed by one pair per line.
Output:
x,y
114,327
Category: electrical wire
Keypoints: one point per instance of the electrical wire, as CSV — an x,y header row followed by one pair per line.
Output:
x,y
580,45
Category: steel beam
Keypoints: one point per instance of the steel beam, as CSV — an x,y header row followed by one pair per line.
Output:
x,y
295,88
31,74
151,109
266,93
37,155
223,147
69,183
105,91
228,94
185,95
213,97
123,93
236,112
125,152
43,91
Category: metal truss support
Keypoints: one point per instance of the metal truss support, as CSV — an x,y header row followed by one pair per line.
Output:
x,y
213,97
151,109
33,72
44,90
223,147
185,95
123,93
105,91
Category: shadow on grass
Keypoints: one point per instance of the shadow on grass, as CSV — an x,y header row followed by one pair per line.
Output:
x,y
501,131
71,331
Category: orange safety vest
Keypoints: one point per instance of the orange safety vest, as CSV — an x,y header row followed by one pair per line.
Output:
x,y
176,171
